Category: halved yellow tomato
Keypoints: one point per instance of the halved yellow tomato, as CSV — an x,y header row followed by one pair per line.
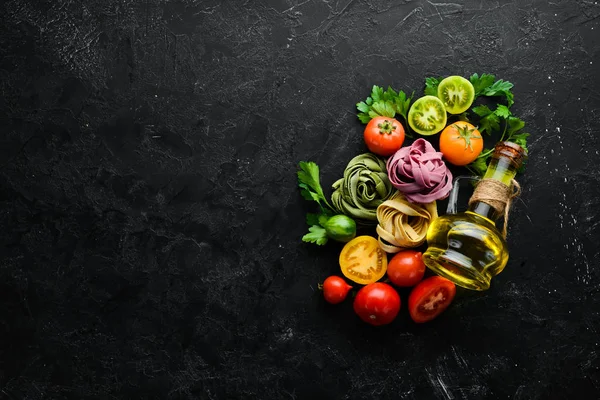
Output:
x,y
363,261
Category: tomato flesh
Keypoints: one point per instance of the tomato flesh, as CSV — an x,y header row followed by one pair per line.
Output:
x,y
457,94
430,298
362,260
377,303
427,115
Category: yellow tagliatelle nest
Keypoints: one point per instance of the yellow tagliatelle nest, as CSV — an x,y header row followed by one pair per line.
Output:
x,y
403,224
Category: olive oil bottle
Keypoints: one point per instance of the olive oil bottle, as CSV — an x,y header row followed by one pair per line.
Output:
x,y
467,247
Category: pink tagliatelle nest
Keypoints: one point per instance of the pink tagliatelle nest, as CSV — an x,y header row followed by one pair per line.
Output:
x,y
419,172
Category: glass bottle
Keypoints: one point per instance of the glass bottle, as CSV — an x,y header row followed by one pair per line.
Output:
x,y
466,247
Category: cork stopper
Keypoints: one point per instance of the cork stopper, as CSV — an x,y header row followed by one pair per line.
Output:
x,y
511,152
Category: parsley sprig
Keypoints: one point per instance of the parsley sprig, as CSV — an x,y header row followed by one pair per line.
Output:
x,y
492,121
385,103
310,189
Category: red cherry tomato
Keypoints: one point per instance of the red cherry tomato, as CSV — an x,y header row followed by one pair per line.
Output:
x,y
335,289
377,303
384,136
406,268
430,298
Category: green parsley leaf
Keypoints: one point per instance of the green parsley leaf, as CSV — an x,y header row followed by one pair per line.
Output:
x,y
402,103
390,94
479,166
480,83
482,110
500,88
316,235
431,86
307,194
520,139
377,93
383,108
386,103
364,118
502,111
489,123
362,106
308,181
464,117
312,219
514,124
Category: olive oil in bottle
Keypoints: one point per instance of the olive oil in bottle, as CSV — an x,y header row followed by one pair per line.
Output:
x,y
467,247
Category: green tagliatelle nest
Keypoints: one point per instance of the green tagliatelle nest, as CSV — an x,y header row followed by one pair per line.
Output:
x,y
363,188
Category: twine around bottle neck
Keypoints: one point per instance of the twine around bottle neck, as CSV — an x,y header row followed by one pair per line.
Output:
x,y
498,196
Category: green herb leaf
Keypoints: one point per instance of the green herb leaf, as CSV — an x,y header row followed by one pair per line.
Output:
x,y
500,88
514,124
364,118
362,106
307,194
480,83
464,117
479,166
489,123
402,103
520,139
482,110
308,181
316,235
502,111
377,93
384,109
390,94
309,176
386,103
431,86
312,219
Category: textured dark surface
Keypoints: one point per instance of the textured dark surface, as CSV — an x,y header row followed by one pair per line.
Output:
x,y
151,221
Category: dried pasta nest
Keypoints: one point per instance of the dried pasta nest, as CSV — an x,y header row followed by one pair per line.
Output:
x,y
403,224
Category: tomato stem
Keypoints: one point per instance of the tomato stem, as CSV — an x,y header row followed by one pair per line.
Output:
x,y
386,127
466,133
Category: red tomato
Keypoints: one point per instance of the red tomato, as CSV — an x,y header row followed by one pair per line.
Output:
x,y
377,303
406,268
335,289
384,136
430,298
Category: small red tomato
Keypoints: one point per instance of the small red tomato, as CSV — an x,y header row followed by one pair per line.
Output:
x,y
384,136
430,298
335,289
377,303
406,268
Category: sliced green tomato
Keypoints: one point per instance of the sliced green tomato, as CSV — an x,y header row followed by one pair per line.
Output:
x,y
427,115
456,93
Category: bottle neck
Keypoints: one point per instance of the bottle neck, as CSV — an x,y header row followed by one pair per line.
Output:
x,y
503,170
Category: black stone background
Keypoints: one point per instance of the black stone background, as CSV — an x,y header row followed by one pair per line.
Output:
x,y
151,220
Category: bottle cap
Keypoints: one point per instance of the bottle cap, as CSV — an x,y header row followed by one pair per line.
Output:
x,y
512,151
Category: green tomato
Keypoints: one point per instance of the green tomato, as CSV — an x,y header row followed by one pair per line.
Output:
x,y
340,228
456,93
427,115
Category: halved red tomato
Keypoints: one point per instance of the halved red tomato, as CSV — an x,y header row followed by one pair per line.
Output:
x,y
362,260
430,298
